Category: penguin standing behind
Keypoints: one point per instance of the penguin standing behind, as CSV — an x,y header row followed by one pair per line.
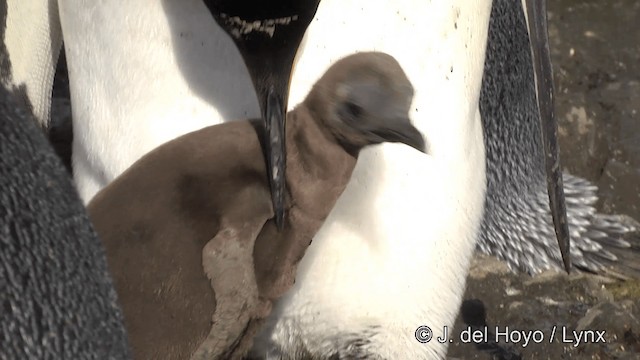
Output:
x,y
58,300
517,224
193,214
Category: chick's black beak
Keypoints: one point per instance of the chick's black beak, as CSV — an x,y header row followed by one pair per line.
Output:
x,y
268,36
401,131
536,11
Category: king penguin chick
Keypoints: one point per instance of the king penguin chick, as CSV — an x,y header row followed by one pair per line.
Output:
x,y
196,260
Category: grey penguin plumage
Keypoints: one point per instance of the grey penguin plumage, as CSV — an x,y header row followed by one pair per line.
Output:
x,y
517,224
58,300
194,214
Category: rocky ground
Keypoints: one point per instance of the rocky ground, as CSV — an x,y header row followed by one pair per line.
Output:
x,y
596,53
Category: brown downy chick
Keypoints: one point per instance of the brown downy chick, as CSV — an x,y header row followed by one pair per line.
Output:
x,y
195,255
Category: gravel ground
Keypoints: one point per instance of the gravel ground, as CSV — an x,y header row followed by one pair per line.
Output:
x,y
596,55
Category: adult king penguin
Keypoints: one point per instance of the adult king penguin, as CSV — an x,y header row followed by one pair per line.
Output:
x,y
394,252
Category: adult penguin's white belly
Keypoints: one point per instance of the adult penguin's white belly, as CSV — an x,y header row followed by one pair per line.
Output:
x,y
394,253
142,73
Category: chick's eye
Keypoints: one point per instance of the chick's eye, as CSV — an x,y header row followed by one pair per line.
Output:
x,y
353,109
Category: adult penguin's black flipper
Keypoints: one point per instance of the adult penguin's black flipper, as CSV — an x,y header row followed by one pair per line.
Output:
x,y
268,37
536,11
58,299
